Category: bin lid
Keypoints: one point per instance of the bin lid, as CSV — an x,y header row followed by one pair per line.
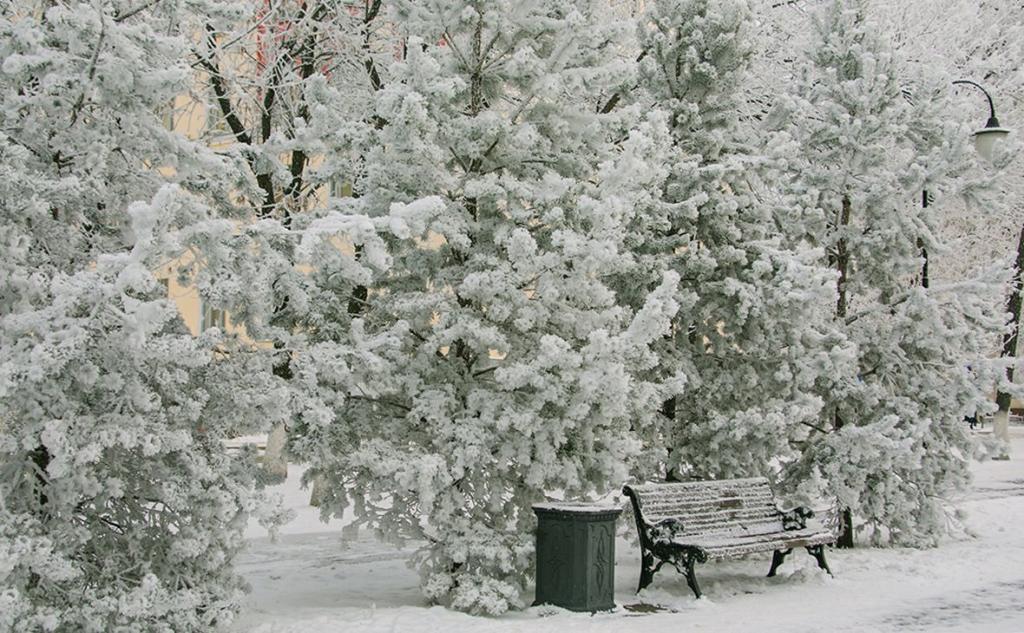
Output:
x,y
582,508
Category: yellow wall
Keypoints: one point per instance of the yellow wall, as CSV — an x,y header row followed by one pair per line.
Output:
x,y
186,297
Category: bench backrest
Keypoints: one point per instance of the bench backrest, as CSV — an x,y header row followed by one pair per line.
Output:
x,y
710,509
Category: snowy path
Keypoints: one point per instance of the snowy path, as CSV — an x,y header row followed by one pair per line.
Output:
x,y
310,582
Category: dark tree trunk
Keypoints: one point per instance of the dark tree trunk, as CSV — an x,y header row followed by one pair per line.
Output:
x,y
842,258
921,246
1013,307
842,263
845,540
41,459
668,409
924,265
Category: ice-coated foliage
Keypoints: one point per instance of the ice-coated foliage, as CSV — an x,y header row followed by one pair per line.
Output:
x,y
754,340
119,509
870,134
476,255
491,365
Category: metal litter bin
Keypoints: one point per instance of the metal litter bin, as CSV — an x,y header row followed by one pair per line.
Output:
x,y
576,555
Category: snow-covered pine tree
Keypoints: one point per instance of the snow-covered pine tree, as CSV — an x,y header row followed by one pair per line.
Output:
x,y
872,132
754,341
119,509
492,365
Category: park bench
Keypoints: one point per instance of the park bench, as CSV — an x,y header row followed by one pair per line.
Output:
x,y
683,524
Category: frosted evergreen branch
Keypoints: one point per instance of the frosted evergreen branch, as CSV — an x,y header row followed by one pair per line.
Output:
x,y
129,13
91,74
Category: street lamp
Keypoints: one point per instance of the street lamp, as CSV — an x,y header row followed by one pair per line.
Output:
x,y
985,141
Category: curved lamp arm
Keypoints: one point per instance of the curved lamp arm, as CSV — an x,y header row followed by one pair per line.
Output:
x,y
992,120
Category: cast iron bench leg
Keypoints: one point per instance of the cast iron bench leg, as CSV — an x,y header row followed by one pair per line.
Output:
x,y
818,552
691,577
777,558
647,571
686,564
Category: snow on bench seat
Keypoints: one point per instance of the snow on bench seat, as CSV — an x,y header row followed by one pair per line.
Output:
x,y
733,547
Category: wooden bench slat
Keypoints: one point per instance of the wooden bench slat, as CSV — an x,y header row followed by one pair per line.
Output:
x,y
719,517
763,508
688,499
765,503
726,546
703,485
690,495
752,527
739,550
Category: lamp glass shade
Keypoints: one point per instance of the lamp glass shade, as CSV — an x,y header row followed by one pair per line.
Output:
x,y
986,139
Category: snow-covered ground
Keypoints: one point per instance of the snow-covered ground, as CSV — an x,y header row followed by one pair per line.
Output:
x,y
311,581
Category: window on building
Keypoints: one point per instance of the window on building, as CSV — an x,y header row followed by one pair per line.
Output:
x,y
341,188
211,317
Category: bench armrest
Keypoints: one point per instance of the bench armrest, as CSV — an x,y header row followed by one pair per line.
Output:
x,y
665,531
795,518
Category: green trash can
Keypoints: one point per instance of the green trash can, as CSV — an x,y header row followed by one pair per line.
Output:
x,y
576,555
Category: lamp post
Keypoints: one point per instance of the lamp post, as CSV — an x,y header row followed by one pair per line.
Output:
x,y
985,141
